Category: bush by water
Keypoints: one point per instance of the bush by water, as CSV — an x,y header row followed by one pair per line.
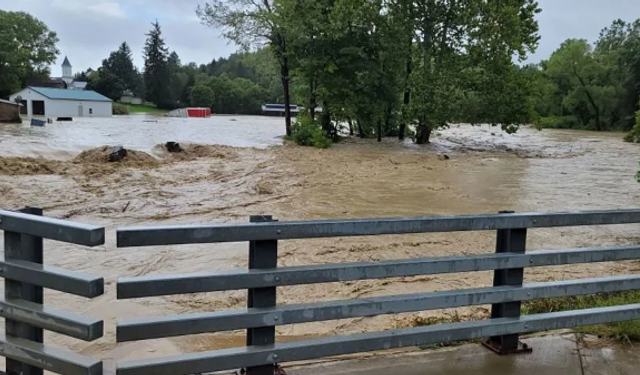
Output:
x,y
308,132
120,109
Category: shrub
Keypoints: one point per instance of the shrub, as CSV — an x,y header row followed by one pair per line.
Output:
x,y
202,96
307,132
634,135
559,122
120,109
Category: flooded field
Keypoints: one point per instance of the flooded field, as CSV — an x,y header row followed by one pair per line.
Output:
x,y
235,173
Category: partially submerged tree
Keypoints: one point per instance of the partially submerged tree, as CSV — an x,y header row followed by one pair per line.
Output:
x,y
250,24
457,39
361,57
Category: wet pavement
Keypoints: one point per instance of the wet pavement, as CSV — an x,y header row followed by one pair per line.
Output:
x,y
566,354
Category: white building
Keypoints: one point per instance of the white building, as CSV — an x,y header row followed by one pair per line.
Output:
x,y
54,102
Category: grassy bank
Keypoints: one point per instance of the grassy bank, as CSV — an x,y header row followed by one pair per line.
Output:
x,y
622,331
145,108
628,331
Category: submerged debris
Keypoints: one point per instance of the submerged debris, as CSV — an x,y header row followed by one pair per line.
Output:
x,y
173,147
118,153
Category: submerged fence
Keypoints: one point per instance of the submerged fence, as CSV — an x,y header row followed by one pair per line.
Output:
x,y
263,276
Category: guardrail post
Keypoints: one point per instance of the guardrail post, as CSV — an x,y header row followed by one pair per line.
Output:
x,y
508,241
262,255
28,248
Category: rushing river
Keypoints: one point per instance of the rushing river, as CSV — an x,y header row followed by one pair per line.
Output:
x,y
483,171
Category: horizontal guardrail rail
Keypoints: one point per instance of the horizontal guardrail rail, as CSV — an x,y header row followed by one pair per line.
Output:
x,y
189,324
52,229
162,285
23,307
263,276
193,234
296,351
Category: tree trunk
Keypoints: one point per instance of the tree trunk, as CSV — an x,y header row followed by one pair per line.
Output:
x,y
379,131
325,120
407,94
350,126
423,133
284,72
312,100
408,71
591,100
387,116
360,130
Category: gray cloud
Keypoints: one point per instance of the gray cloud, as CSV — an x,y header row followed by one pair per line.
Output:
x,y
563,19
90,29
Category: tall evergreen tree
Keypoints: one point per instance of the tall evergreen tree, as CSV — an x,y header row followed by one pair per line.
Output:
x,y
120,64
157,77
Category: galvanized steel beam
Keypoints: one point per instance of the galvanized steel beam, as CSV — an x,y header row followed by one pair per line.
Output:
x,y
48,358
159,285
53,278
337,345
240,232
188,324
53,229
67,323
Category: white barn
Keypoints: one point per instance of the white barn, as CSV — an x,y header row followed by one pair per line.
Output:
x,y
54,102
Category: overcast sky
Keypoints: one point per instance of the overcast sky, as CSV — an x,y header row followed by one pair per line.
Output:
x,y
90,29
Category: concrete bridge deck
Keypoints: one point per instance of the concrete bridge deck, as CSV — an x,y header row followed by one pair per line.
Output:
x,y
566,354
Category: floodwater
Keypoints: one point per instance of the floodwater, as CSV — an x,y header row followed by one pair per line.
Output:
x,y
484,171
139,132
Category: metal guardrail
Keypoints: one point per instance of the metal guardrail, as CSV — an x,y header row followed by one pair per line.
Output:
x,y
23,307
262,278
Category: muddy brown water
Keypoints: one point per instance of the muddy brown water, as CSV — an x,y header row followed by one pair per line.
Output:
x,y
487,171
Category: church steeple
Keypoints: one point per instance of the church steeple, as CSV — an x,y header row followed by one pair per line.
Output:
x,y
67,70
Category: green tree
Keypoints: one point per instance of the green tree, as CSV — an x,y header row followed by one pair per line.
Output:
x,y
587,94
250,24
360,57
107,84
459,43
120,64
619,49
117,74
202,96
27,48
157,73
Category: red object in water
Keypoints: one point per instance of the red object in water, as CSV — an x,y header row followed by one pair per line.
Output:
x,y
198,112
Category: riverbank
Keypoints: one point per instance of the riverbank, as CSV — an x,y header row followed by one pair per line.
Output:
x,y
484,173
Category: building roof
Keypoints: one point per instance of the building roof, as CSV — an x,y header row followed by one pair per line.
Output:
x,y
66,62
79,85
64,94
9,102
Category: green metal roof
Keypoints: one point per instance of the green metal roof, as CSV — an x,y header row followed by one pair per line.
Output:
x,y
64,94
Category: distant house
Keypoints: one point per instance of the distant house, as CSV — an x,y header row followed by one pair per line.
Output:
x,y
9,111
279,109
129,97
55,102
